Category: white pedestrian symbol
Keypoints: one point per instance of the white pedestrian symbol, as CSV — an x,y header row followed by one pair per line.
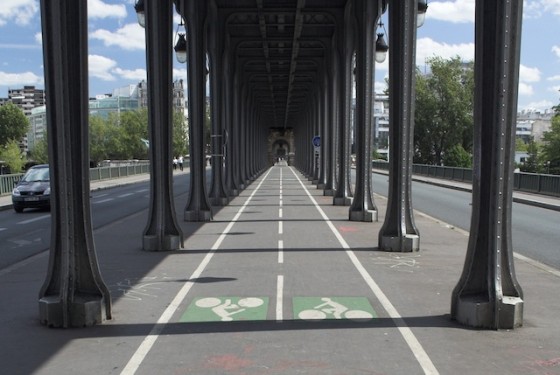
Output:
x,y
329,309
226,309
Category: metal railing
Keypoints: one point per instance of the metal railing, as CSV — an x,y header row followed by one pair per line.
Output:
x,y
545,184
7,181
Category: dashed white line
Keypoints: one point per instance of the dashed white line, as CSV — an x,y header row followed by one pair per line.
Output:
x,y
141,190
1,229
149,341
405,331
280,298
103,201
279,212
34,219
280,251
280,227
125,195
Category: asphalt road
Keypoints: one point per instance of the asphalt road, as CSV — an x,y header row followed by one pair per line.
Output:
x,y
535,231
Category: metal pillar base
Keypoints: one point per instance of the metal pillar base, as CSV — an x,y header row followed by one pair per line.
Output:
x,y
198,215
342,201
408,243
314,182
320,185
242,187
220,201
365,216
234,192
84,311
476,311
329,192
167,243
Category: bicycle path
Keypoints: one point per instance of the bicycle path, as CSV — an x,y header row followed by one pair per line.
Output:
x,y
279,283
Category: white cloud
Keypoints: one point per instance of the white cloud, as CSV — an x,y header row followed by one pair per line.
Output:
x,y
525,89
380,86
542,105
39,38
427,47
527,74
18,79
133,75
536,8
458,11
554,78
554,88
129,37
556,50
101,67
19,11
180,74
99,9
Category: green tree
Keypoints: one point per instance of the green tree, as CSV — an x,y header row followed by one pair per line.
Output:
x,y
444,110
180,135
551,147
531,164
40,151
133,128
457,156
13,124
520,145
12,156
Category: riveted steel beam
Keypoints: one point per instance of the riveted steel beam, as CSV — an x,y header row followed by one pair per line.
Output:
x,y
488,294
73,293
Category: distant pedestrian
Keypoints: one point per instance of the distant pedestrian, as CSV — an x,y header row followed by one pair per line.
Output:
x,y
175,161
181,162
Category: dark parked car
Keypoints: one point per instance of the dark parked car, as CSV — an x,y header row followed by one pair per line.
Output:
x,y
33,190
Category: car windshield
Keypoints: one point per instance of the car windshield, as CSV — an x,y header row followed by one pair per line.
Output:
x,y
36,174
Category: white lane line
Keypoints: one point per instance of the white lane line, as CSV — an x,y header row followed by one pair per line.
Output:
x,y
34,219
141,190
125,195
280,227
1,229
149,341
280,204
103,201
407,334
280,251
101,195
279,298
280,212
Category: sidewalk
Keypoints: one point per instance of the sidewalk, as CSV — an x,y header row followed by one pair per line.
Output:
x,y
292,268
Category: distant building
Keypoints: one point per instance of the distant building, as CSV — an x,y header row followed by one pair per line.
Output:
x,y
26,98
178,95
531,124
37,126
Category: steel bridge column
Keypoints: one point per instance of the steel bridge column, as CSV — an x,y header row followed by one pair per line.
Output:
x,y
315,131
218,195
231,182
366,14
323,132
162,232
73,293
236,136
198,206
488,294
399,232
331,121
343,195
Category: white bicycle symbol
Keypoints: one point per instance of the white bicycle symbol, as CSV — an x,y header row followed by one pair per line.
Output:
x,y
226,309
330,309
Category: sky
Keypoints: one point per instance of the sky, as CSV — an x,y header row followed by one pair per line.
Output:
x,y
117,46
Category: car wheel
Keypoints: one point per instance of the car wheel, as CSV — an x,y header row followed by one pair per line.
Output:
x,y
18,208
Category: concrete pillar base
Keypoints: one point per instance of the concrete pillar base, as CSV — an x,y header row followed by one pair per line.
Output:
x,y
198,215
342,201
329,192
234,192
476,311
365,216
167,243
314,182
406,244
84,311
242,187
320,185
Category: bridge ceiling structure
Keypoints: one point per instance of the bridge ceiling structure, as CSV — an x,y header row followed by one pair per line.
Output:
x,y
282,46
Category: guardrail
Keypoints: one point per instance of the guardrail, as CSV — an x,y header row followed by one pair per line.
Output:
x,y
7,181
545,184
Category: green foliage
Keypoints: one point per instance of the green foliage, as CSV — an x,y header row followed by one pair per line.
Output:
x,y
551,147
520,145
40,151
180,135
532,164
444,111
13,124
457,156
12,156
